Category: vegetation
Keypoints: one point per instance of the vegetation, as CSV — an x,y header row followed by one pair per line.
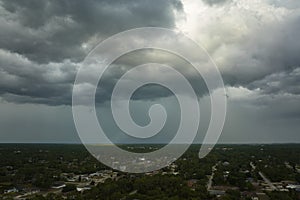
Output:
x,y
33,170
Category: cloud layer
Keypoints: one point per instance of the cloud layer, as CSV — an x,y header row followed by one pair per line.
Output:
x,y
255,44
42,42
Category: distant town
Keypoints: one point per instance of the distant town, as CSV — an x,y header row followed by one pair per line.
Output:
x,y
250,172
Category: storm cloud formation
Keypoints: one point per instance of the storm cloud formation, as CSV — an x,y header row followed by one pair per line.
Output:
x,y
51,31
255,44
42,41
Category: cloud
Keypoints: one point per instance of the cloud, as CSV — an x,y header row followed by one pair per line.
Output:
x,y
215,2
263,54
248,40
253,44
51,31
24,81
43,42
285,82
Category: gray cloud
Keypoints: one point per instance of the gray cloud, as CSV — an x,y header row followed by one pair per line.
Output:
x,y
272,52
286,82
45,31
43,41
150,92
22,80
215,2
291,4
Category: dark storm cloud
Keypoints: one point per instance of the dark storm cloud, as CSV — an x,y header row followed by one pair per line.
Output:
x,y
45,31
152,91
286,82
22,80
42,41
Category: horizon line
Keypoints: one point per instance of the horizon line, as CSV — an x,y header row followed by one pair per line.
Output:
x,y
78,143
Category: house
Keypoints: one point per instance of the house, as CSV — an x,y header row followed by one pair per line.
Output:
x,y
13,190
191,182
82,188
58,185
293,186
217,192
226,163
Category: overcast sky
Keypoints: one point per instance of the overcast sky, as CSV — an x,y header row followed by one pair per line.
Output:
x,y
255,44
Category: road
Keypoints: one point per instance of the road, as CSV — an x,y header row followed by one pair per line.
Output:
x,y
252,165
271,185
213,169
267,181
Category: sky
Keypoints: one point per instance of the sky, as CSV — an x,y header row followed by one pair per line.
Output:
x,y
255,44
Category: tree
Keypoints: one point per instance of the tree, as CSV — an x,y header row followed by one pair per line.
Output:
x,y
69,188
